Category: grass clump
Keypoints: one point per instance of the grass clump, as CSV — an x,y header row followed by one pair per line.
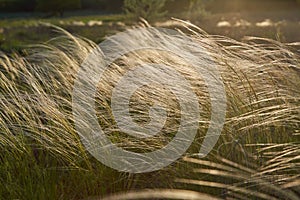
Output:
x,y
257,155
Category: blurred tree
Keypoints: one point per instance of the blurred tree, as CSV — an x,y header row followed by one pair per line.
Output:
x,y
57,7
17,5
104,5
116,6
147,9
94,4
176,6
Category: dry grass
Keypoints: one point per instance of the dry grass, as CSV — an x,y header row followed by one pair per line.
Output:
x,y
257,155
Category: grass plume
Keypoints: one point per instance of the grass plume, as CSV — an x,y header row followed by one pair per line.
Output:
x,y
257,155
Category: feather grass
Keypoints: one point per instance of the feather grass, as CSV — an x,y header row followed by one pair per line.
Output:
x,y
257,155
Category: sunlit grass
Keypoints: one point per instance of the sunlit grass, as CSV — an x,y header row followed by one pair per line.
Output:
x,y
257,155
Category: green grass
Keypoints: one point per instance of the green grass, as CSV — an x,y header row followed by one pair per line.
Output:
x,y
17,32
31,21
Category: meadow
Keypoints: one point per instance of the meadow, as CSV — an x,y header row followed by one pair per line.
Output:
x,y
256,157
16,32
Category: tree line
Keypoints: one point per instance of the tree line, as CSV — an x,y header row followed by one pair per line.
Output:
x,y
58,7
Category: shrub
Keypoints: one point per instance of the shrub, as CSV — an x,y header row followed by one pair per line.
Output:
x,y
147,9
197,10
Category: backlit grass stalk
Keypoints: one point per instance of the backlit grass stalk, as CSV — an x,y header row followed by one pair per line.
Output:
x,y
258,148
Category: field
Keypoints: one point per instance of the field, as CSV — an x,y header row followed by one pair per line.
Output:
x,y
16,33
256,157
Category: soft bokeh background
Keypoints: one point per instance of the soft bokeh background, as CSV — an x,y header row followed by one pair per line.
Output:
x,y
21,20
